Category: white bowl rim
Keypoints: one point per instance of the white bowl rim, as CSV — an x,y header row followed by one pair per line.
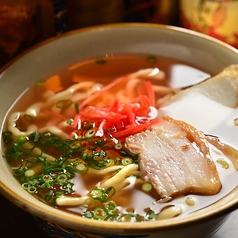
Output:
x,y
220,208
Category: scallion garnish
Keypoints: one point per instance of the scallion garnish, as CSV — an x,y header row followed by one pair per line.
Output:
x,y
151,59
127,161
40,82
49,178
70,121
62,178
224,163
90,133
98,194
101,61
29,173
7,137
147,187
64,103
81,168
76,106
99,213
31,189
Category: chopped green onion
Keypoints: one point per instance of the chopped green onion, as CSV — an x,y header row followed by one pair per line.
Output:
x,y
124,153
33,160
31,189
18,172
47,178
97,194
75,144
48,197
224,163
40,82
89,202
70,121
99,213
110,192
76,106
110,206
29,173
17,155
118,146
62,178
47,184
109,162
101,61
81,168
25,186
151,215
35,136
90,133
88,214
130,217
21,139
151,59
34,181
7,136
64,103
126,161
147,187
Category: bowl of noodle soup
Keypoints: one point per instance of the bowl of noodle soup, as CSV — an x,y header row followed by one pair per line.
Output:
x,y
69,105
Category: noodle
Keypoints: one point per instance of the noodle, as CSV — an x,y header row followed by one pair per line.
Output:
x,y
12,126
120,176
162,90
70,201
170,212
34,110
69,92
105,171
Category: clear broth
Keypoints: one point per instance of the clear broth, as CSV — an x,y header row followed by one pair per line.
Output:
x,y
104,70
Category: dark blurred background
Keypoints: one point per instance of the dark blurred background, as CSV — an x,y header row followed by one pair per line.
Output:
x,y
23,23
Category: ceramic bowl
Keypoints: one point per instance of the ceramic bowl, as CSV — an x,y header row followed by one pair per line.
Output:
x,y
201,51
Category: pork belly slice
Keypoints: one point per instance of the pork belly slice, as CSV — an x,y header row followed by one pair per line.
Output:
x,y
174,157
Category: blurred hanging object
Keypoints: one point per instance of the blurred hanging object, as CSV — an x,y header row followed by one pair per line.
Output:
x,y
24,23
152,11
216,18
17,27
93,12
53,17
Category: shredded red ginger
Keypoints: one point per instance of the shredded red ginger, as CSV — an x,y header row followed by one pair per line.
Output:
x,y
121,119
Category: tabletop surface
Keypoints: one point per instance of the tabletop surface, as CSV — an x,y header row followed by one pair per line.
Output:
x,y
13,222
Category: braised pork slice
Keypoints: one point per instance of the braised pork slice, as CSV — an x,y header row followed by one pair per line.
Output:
x,y
174,157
